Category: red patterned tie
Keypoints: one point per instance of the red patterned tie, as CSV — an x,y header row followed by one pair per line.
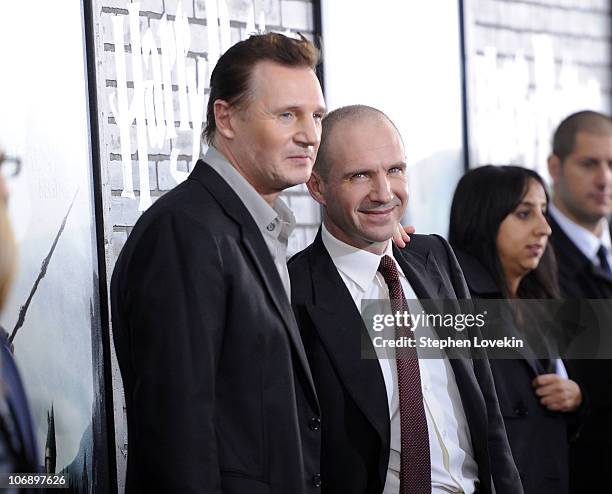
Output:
x,y
415,466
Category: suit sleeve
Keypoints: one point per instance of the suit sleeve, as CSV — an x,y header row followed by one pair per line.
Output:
x,y
504,473
173,300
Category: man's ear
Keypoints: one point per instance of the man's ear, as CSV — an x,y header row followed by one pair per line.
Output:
x,y
554,167
223,118
316,187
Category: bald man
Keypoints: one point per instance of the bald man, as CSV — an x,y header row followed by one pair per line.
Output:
x,y
389,425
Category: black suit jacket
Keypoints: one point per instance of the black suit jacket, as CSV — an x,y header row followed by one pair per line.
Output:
x,y
218,390
591,452
351,390
538,437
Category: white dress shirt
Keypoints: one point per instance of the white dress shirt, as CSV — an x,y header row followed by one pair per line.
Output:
x,y
587,242
453,468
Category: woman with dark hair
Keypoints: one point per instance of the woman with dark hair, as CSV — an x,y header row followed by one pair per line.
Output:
x,y
499,231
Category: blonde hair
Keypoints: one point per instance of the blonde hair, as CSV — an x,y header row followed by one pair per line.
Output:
x,y
8,254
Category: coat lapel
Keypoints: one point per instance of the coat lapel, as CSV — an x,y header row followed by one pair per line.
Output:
x,y
425,277
343,333
422,273
571,259
260,255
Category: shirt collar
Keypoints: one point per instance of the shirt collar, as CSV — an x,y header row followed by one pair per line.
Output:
x,y
271,220
357,264
582,238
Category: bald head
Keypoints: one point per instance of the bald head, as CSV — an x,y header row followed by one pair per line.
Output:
x,y
360,177
332,130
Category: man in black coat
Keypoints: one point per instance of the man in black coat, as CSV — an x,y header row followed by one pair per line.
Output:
x,y
219,394
360,181
581,169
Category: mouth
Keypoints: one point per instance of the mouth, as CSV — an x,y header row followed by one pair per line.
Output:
x,y
300,158
601,197
381,215
379,211
535,249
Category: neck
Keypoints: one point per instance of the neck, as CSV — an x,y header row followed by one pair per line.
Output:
x,y
595,227
230,156
512,284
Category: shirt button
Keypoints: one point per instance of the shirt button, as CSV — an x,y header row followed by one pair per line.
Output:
x,y
314,423
316,480
271,227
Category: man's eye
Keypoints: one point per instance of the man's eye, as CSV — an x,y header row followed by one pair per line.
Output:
x,y
318,116
358,175
286,115
396,169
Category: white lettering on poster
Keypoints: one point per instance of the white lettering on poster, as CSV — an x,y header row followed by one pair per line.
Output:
x,y
162,69
516,110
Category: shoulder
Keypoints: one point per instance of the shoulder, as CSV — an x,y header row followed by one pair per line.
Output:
x,y
480,282
425,246
188,213
300,268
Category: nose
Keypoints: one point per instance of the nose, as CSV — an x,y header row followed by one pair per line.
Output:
x,y
542,226
309,133
381,189
604,175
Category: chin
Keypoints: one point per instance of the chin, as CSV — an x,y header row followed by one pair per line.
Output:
x,y
297,178
378,236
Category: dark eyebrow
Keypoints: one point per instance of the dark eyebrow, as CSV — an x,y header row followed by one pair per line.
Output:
x,y
532,204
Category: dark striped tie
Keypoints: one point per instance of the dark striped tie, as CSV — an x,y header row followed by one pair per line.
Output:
x,y
415,465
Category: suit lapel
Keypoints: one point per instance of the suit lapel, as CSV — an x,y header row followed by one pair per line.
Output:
x,y
422,273
573,260
342,332
260,255
425,277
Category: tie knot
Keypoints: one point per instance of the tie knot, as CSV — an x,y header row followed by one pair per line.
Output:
x,y
602,252
388,269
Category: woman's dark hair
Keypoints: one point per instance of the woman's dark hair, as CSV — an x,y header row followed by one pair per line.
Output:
x,y
483,198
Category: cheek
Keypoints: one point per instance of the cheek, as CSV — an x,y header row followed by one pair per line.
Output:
x,y
506,239
400,189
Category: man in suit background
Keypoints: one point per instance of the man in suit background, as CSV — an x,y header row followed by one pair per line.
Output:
x,y
218,390
392,426
581,170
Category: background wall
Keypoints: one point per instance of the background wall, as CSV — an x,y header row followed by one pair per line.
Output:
x,y
153,63
405,59
530,63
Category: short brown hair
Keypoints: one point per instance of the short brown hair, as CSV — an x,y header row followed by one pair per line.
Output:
x,y
564,138
231,76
